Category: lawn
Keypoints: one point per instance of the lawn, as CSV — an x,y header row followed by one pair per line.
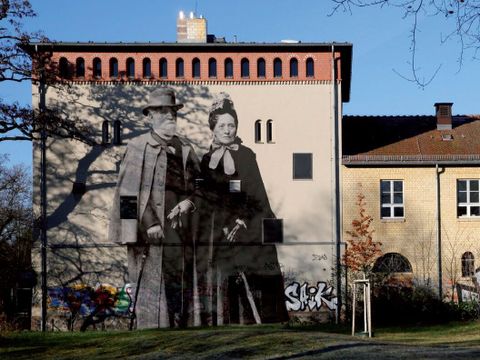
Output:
x,y
457,340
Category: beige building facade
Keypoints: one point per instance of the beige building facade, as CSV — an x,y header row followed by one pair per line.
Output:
x,y
421,190
279,117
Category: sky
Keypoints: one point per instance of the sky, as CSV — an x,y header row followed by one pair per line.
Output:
x,y
380,38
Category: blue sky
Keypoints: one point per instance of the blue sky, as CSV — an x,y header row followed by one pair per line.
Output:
x,y
380,39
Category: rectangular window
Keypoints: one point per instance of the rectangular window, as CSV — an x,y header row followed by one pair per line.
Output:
x,y
302,166
272,231
391,198
468,204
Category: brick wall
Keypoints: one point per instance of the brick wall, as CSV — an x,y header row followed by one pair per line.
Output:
x,y
322,65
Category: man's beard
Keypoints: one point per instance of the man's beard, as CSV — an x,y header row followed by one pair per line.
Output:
x,y
167,130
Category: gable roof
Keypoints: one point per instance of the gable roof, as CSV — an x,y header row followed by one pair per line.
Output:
x,y
383,140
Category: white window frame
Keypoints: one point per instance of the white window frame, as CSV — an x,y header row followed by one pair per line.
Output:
x,y
391,204
468,204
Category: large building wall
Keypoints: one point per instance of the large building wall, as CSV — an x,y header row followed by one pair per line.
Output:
x,y
302,118
415,236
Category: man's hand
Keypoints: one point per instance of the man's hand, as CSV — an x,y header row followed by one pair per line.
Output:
x,y
155,232
233,233
182,207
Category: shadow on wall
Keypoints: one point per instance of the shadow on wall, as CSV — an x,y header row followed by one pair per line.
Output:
x,y
81,178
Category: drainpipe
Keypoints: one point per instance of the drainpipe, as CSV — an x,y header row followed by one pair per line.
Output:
x,y
438,172
336,201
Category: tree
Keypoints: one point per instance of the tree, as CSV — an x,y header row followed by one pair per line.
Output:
x,y
362,250
463,24
16,221
19,122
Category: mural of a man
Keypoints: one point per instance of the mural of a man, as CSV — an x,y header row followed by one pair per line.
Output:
x,y
151,214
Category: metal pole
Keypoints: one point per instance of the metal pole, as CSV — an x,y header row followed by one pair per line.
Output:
x,y
336,171
43,200
439,233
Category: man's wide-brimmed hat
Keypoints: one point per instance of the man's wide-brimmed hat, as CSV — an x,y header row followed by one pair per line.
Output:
x,y
162,97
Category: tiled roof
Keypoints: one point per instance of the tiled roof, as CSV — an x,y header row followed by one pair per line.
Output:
x,y
410,139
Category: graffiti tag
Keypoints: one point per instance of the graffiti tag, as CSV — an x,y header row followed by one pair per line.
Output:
x,y
302,297
319,257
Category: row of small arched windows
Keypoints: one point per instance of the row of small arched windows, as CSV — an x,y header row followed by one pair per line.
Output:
x,y
66,71
258,131
117,132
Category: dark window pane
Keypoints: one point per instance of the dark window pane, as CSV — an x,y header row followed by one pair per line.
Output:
x,y
474,210
302,166
245,68
398,211
163,68
461,210
473,184
64,68
474,197
130,68
261,68
228,68
385,186
147,68
80,68
310,68
397,198
462,196
113,67
269,131
385,212
385,198
105,132
462,185
272,231
179,68
258,130
97,67
293,67
117,132
196,68
212,68
397,186
277,67
128,207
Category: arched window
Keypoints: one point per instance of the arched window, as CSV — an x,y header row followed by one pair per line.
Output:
x,y
310,70
293,67
392,263
228,68
196,68
80,67
64,68
113,67
258,131
468,264
277,67
117,132
212,68
130,68
147,68
97,68
245,68
163,68
179,68
261,68
269,131
105,132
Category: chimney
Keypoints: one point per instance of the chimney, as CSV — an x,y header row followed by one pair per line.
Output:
x,y
444,116
191,29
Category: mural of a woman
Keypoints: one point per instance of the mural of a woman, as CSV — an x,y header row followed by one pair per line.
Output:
x,y
243,274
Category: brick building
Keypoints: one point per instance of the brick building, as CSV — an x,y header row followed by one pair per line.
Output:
x,y
288,97
419,175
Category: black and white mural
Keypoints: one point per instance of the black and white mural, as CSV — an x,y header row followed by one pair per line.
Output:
x,y
198,231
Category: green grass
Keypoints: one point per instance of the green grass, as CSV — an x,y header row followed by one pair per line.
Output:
x,y
254,342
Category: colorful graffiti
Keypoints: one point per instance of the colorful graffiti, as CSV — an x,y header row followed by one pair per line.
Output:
x,y
299,298
92,304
